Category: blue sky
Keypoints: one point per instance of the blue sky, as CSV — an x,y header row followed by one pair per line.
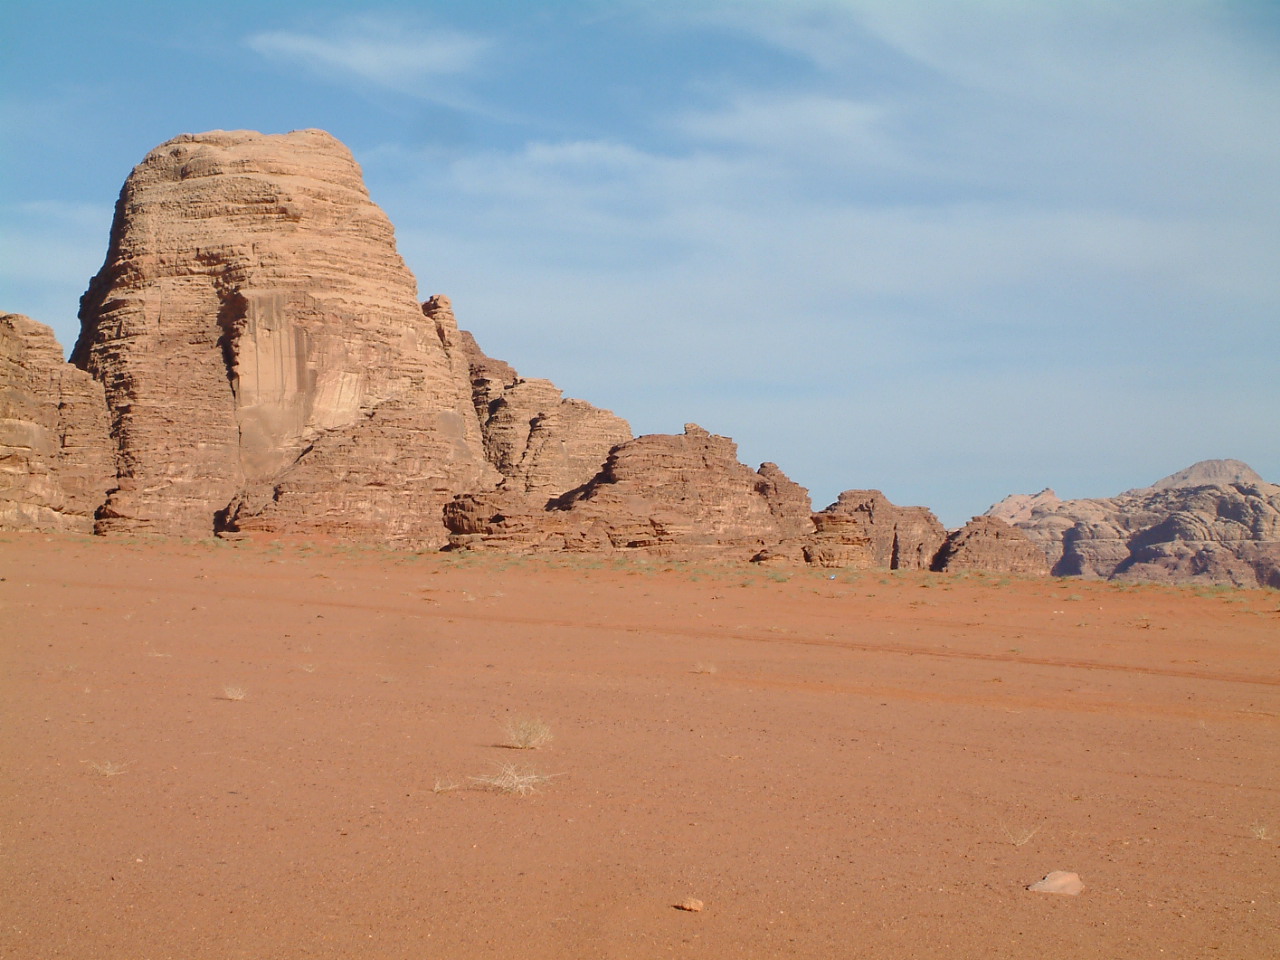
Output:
x,y
947,248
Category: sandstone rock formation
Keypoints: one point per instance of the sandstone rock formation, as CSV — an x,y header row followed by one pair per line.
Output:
x,y
541,443
55,455
1216,521
678,495
689,489
863,529
990,545
1018,507
253,359
264,357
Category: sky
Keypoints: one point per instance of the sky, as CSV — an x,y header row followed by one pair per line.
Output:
x,y
949,249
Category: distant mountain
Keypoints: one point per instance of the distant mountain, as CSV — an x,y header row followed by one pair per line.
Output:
x,y
1206,473
1217,521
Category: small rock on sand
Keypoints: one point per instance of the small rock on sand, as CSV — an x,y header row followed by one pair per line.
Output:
x,y
690,904
1059,881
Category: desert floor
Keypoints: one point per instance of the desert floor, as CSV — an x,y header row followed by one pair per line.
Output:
x,y
266,750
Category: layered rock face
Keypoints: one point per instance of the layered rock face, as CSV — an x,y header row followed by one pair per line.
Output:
x,y
689,489
990,545
863,529
1216,520
55,453
265,360
676,495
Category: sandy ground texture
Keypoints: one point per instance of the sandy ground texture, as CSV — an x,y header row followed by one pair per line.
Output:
x,y
270,750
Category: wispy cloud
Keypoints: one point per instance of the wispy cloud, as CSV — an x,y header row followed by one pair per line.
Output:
x,y
382,52
809,128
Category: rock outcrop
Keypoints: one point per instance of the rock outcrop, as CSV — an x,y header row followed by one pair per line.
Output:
x,y
542,443
264,357
681,495
863,530
990,545
55,454
689,489
1020,507
1215,521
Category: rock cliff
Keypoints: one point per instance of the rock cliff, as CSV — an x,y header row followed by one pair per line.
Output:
x,y
863,529
55,454
264,357
1216,521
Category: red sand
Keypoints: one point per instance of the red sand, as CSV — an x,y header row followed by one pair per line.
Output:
x,y
871,766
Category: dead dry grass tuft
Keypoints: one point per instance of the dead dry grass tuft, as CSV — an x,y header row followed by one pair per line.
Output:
x,y
527,733
1019,836
109,769
513,779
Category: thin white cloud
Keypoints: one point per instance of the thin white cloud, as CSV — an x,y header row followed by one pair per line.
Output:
x,y
384,53
1163,100
809,128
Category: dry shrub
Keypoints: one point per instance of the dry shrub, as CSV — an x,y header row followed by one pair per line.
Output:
x,y
511,778
527,733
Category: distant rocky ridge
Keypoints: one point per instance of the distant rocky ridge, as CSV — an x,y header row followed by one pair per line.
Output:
x,y
253,361
1217,520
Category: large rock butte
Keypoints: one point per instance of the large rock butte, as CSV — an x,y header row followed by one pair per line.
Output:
x,y
268,367
265,360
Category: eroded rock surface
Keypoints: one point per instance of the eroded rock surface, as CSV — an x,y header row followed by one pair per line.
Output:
x,y
249,324
1215,521
55,454
863,530
668,494
542,443
990,545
